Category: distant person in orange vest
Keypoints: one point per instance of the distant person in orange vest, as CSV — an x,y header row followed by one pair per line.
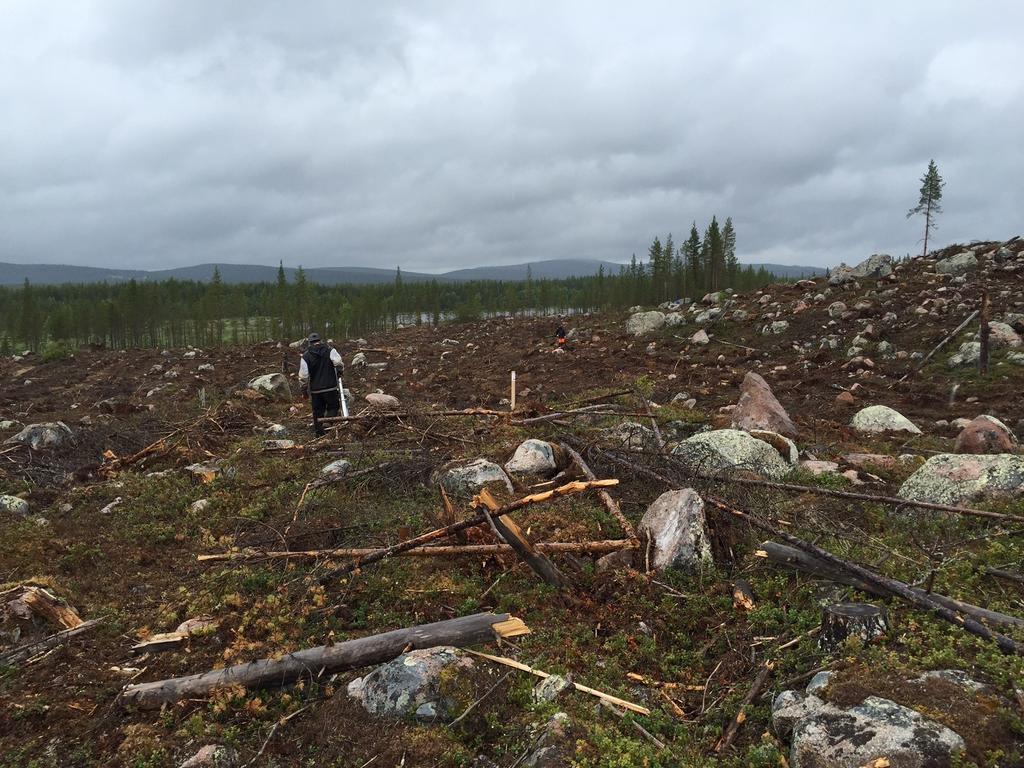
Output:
x,y
318,375
560,334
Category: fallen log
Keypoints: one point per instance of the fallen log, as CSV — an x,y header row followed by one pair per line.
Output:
x,y
922,600
324,660
603,496
472,522
512,535
408,414
454,550
593,410
28,650
799,560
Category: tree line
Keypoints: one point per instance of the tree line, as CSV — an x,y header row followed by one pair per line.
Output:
x,y
178,313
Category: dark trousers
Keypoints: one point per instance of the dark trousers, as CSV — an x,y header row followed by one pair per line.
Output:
x,y
324,404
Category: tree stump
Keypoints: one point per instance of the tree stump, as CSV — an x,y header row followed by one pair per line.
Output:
x,y
842,620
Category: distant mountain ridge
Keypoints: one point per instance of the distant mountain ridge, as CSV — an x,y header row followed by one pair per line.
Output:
x,y
554,269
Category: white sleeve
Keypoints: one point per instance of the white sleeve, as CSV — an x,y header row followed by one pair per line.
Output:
x,y
303,370
335,357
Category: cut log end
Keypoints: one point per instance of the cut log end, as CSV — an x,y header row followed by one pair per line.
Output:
x,y
841,621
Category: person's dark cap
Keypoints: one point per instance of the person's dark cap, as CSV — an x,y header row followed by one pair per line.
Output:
x,y
313,338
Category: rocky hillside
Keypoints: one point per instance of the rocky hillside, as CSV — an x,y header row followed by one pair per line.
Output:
x,y
811,555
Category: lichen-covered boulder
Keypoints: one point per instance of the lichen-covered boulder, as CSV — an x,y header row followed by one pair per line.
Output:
x,y
644,322
968,354
726,450
1003,336
14,505
464,480
533,457
49,434
271,385
676,528
629,434
881,418
959,479
957,264
877,728
412,685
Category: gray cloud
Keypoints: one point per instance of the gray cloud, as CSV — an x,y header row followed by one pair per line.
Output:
x,y
444,135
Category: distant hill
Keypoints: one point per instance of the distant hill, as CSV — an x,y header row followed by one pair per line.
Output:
x,y
57,274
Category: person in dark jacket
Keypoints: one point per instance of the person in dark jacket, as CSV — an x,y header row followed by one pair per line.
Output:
x,y
560,334
318,375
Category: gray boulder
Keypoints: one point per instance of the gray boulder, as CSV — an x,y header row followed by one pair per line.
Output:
x,y
359,359
9,425
963,478
836,309
776,327
672,319
629,434
465,480
532,457
271,385
50,434
414,684
337,468
876,728
723,450
708,316
881,418
676,528
875,266
14,505
968,354
841,275
957,264
644,322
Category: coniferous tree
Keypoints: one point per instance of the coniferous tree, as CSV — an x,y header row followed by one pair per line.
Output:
x,y
691,257
729,248
929,203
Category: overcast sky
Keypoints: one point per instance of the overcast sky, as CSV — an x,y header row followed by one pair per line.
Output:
x,y
440,135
